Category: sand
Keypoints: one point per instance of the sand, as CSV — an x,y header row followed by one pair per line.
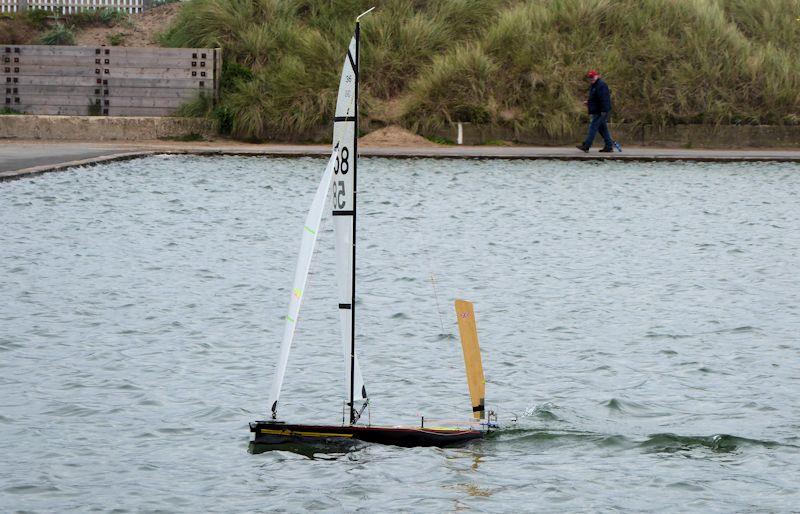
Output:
x,y
396,136
142,33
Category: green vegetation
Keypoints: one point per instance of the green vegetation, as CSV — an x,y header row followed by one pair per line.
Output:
x,y
512,63
110,17
186,138
106,17
8,110
497,142
59,34
116,39
38,17
440,140
35,26
94,108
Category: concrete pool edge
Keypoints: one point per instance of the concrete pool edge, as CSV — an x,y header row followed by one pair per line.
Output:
x,y
118,152
93,161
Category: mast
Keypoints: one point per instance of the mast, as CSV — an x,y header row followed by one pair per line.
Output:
x,y
355,217
339,173
357,70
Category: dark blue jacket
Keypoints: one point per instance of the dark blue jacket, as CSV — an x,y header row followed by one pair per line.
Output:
x,y
599,97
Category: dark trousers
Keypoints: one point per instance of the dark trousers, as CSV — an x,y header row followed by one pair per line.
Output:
x,y
599,123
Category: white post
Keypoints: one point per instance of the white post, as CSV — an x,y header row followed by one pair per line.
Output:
x,y
460,139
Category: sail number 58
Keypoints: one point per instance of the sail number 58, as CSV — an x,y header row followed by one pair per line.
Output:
x,y
338,194
342,161
342,166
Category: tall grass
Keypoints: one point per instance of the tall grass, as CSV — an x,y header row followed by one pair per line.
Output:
x,y
766,21
454,87
515,63
396,46
59,34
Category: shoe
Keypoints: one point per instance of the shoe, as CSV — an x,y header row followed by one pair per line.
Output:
x,y
606,150
582,148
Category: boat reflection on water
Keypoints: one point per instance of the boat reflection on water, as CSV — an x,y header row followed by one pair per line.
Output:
x,y
317,450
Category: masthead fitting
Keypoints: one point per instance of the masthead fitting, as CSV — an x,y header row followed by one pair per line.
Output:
x,y
358,18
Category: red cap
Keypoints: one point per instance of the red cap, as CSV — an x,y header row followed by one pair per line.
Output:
x,y
592,74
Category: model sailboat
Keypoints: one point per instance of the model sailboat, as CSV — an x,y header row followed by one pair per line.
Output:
x,y
340,178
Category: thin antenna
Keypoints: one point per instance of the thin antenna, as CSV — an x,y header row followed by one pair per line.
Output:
x,y
436,297
358,18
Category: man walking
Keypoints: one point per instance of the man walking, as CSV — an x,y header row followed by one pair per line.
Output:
x,y
599,104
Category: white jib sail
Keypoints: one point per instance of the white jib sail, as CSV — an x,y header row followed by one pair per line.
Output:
x,y
343,200
309,240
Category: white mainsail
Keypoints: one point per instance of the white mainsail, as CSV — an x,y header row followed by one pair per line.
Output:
x,y
340,175
310,230
343,202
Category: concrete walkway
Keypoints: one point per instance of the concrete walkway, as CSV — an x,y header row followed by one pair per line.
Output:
x,y
21,158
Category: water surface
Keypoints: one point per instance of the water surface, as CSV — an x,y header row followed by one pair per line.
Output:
x,y
640,321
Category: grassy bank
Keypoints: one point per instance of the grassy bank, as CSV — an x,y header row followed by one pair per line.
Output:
x,y
101,26
41,27
509,63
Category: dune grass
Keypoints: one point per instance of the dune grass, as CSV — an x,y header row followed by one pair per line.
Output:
x,y
512,63
59,34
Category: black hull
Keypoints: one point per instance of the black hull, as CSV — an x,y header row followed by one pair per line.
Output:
x,y
281,435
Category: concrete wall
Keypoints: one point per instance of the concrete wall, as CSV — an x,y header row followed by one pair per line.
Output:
x,y
99,128
105,81
723,136
680,136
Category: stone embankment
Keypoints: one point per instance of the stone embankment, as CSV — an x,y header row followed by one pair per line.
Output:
x,y
26,158
103,128
120,128
680,136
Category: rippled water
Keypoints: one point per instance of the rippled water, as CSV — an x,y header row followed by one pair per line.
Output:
x,y
641,320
